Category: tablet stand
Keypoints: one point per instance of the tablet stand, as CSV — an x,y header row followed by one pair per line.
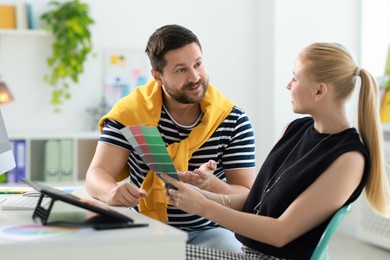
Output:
x,y
42,213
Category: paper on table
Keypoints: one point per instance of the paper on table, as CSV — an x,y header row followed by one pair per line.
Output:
x,y
10,234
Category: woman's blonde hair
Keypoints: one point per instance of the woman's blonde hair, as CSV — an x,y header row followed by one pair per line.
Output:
x,y
333,63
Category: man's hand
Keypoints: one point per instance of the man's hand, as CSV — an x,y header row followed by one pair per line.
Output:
x,y
200,177
125,194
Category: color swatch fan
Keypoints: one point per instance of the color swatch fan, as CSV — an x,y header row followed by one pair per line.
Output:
x,y
149,145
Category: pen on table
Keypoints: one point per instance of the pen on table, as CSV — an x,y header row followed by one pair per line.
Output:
x,y
14,191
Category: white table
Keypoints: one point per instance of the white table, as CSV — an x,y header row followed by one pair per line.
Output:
x,y
156,241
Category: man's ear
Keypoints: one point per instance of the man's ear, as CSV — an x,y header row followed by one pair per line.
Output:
x,y
321,91
158,77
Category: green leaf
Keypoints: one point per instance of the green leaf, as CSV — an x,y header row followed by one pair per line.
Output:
x,y
69,22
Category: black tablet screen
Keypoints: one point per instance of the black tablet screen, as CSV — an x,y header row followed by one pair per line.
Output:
x,y
57,194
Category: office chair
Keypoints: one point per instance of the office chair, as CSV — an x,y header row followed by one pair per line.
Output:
x,y
321,250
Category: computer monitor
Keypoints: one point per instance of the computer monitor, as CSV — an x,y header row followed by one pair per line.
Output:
x,y
7,160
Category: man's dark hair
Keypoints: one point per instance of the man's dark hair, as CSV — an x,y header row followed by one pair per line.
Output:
x,y
167,38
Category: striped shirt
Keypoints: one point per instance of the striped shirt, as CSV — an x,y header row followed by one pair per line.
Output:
x,y
232,146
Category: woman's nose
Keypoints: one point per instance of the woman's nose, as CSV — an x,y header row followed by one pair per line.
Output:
x,y
288,85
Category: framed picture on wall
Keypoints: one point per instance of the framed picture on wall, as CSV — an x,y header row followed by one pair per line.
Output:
x,y
124,70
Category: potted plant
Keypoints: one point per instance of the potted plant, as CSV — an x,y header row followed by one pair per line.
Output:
x,y
69,23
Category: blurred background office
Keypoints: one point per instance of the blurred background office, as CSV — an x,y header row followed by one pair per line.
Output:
x,y
249,46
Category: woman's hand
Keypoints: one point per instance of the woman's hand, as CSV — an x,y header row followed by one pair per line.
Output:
x,y
185,197
200,177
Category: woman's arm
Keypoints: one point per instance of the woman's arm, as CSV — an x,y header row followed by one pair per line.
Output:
x,y
326,195
234,201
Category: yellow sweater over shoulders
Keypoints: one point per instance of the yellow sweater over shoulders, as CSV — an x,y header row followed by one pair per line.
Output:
x,y
143,107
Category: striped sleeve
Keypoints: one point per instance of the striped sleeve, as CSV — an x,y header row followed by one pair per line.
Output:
x,y
240,153
111,134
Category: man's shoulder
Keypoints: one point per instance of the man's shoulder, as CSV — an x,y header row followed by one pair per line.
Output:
x,y
237,113
237,117
237,110
113,123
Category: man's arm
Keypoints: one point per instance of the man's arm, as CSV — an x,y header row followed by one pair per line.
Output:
x,y
106,164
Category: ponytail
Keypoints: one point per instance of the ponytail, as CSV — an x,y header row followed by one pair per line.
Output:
x,y
369,124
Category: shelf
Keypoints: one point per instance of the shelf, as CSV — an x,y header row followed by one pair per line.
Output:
x,y
52,156
14,32
55,135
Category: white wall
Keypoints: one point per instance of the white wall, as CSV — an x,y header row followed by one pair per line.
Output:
x,y
375,35
249,47
284,29
312,21
226,29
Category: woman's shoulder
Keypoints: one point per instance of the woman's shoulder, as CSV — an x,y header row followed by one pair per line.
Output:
x,y
295,126
300,123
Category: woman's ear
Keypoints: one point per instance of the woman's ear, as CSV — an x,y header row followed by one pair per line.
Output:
x,y
321,91
158,77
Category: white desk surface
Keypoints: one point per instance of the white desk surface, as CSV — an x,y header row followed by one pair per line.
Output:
x,y
157,241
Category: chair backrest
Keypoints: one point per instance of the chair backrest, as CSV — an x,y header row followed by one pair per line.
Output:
x,y
321,250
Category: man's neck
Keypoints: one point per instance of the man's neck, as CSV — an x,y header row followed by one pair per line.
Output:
x,y
183,114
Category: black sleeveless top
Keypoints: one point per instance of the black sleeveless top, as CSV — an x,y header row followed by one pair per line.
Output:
x,y
297,178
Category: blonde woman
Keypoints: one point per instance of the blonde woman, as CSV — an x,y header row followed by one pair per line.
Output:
x,y
320,164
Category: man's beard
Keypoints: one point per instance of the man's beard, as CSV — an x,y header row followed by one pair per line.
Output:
x,y
181,96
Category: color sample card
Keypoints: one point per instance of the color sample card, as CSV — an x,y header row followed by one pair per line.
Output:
x,y
150,146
